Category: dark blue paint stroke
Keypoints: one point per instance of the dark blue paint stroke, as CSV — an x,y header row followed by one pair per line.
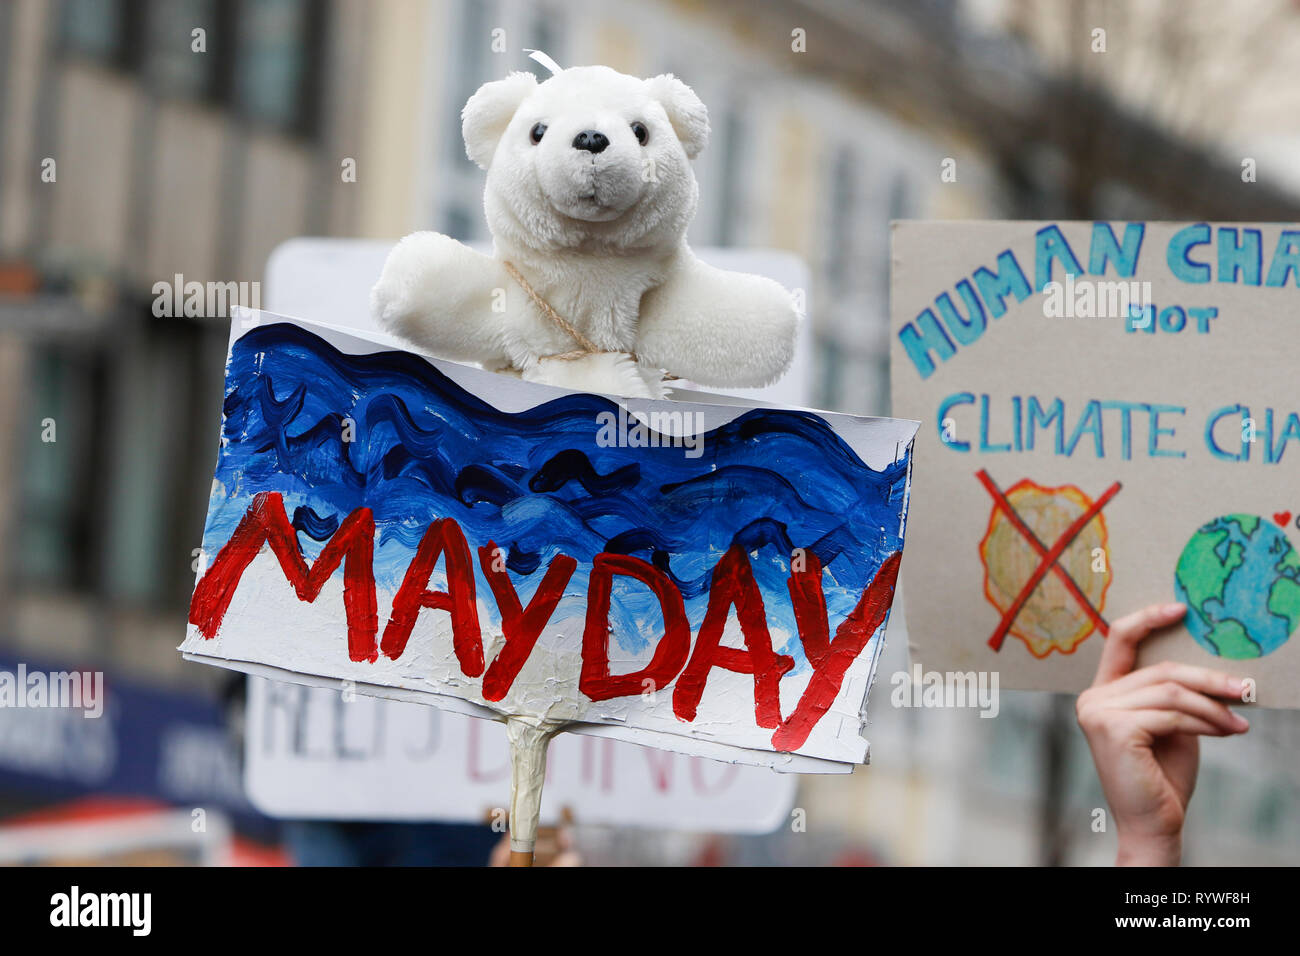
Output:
x,y
537,482
573,465
315,526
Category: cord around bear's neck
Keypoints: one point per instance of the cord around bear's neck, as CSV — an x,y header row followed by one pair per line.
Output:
x,y
587,346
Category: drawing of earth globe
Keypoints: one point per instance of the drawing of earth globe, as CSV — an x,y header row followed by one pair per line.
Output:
x,y
1240,579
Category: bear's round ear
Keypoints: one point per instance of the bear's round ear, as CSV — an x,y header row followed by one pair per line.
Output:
x,y
489,111
689,116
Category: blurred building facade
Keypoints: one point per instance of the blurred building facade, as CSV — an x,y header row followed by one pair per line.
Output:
x,y
341,117
136,152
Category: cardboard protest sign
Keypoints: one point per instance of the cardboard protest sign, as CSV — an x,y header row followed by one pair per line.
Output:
x,y
713,579
1109,415
314,753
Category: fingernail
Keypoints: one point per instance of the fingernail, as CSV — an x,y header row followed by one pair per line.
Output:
x,y
1240,721
1175,608
1236,685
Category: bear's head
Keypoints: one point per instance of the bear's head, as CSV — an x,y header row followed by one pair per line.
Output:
x,y
589,160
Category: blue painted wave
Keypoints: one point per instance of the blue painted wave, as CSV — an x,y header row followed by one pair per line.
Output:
x,y
537,482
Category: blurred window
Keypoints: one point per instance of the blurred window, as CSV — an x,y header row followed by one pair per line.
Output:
x,y
155,478
261,58
471,65
546,32
457,188
732,176
280,43
457,221
839,249
172,63
58,466
900,204
110,486
456,194
840,368
831,372
100,29
900,201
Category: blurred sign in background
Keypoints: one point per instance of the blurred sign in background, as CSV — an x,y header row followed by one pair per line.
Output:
x,y
149,144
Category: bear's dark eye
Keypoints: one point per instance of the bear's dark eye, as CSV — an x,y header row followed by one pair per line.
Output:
x,y
537,132
640,132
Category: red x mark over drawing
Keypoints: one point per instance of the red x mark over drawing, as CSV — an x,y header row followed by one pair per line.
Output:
x,y
1048,557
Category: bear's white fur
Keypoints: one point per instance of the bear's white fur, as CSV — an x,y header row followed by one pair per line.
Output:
x,y
600,237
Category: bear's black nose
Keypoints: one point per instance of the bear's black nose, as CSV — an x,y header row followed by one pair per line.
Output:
x,y
591,141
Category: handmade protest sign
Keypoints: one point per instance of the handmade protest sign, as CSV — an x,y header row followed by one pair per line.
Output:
x,y
705,578
311,752
1111,420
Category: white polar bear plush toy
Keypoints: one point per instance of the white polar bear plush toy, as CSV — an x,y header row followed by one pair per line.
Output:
x,y
591,285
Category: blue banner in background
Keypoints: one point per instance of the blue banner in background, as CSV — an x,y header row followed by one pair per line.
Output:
x,y
171,747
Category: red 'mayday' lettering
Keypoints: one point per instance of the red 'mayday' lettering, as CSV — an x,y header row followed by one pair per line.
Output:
x,y
732,585
443,538
830,661
266,523
670,653
520,626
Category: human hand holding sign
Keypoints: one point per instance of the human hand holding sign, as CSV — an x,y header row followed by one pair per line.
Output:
x,y
1142,727
555,847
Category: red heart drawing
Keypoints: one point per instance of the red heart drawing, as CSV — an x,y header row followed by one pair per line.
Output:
x,y
1283,518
